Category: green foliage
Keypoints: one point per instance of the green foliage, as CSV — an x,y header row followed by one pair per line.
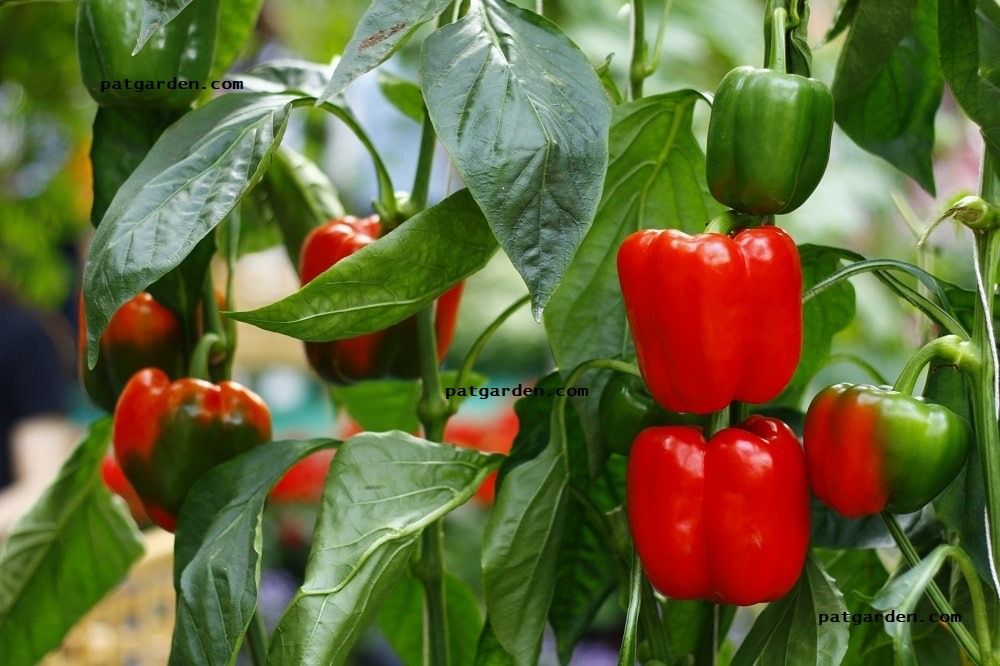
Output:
x,y
77,537
532,156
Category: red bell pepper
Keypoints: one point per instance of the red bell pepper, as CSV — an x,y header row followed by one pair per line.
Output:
x,y
392,351
726,520
714,319
141,334
167,435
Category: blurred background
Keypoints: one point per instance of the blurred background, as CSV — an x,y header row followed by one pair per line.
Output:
x,y
45,118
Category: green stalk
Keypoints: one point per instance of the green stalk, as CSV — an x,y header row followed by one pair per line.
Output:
x,y
637,47
429,568
949,347
200,358
933,592
425,162
776,61
986,391
626,655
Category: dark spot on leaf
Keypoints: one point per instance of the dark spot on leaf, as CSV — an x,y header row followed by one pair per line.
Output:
x,y
377,37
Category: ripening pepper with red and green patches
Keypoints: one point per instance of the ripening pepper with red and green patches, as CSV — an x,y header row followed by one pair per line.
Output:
x,y
870,449
167,435
390,352
141,334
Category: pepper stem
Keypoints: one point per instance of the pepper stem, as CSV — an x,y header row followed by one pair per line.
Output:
x,y
949,347
932,590
730,221
776,55
209,343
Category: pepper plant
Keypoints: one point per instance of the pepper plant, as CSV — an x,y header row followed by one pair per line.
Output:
x,y
667,281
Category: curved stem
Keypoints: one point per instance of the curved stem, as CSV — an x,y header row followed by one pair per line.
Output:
x,y
626,656
637,47
477,347
386,194
207,345
661,30
880,268
933,592
949,347
257,639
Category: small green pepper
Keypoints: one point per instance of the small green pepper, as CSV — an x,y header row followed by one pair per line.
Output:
x,y
169,71
627,408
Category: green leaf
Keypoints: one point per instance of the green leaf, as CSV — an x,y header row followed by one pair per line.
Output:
x,y
288,76
822,317
388,404
521,546
787,632
121,139
72,547
586,570
844,17
877,28
402,94
489,652
237,20
301,196
861,574
401,620
384,28
655,179
381,492
385,282
158,13
217,553
902,595
525,120
691,628
188,183
831,530
969,36
888,108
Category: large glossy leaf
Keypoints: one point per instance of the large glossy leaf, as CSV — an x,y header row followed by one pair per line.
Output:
x,y
188,183
386,25
521,547
71,548
401,620
969,35
655,179
524,117
385,282
877,28
381,492
121,139
217,554
888,107
787,632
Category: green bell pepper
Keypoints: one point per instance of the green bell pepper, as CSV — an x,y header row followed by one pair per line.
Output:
x,y
626,409
768,140
169,71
